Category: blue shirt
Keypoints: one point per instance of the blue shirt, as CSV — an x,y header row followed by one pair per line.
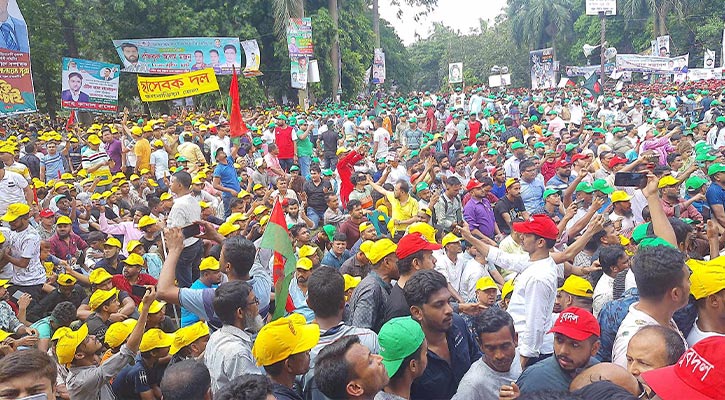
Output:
x,y
228,176
299,299
136,379
440,380
333,261
53,166
715,195
499,191
546,375
187,317
532,193
554,181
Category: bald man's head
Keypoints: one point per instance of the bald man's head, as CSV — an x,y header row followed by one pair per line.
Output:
x,y
653,347
606,372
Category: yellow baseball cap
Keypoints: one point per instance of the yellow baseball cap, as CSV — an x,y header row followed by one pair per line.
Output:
x,y
450,238
112,241
118,332
351,281
98,276
380,249
227,228
667,180
619,195
93,139
156,306
577,286
209,264
260,209
68,342
131,246
203,204
134,259
486,283
428,232
307,250
145,221
4,335
188,335
66,280
134,177
263,221
707,279
63,220
67,176
284,337
364,226
155,338
511,181
4,283
242,194
144,171
165,196
234,217
15,211
152,183
304,263
507,288
100,296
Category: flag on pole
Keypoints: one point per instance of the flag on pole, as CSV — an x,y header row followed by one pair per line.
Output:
x,y
237,127
592,85
71,120
276,238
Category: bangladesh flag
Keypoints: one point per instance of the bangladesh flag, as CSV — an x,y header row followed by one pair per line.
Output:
x,y
276,238
593,85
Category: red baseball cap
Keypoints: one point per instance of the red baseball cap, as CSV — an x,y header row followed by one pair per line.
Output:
x,y
578,156
561,163
46,213
538,224
698,375
616,160
413,242
576,323
473,183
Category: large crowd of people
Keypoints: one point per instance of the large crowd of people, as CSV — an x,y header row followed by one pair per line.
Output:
x,y
475,244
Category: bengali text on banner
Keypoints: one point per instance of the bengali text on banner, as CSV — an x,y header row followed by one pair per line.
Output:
x,y
177,86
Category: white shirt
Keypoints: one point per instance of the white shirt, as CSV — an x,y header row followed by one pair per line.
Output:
x,y
482,382
532,299
396,174
511,168
215,142
183,213
696,334
577,114
603,293
452,271
160,161
632,323
26,244
472,272
12,190
382,138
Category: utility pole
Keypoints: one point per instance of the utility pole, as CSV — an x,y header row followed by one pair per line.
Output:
x,y
603,19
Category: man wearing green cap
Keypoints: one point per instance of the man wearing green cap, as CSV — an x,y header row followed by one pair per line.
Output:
x,y
716,192
405,356
696,186
381,139
304,147
412,136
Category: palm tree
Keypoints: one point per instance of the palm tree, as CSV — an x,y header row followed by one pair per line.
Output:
x,y
658,9
539,22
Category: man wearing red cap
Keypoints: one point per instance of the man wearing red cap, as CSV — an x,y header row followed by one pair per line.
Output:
x,y
563,176
576,341
536,285
478,212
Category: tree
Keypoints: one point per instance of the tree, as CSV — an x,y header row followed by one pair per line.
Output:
x,y
538,23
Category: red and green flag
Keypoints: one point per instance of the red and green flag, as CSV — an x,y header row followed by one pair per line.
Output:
x,y
593,85
276,238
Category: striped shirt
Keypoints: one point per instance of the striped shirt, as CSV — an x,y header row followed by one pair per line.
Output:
x,y
53,164
92,158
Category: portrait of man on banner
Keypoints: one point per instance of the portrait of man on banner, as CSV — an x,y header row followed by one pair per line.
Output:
x,y
13,30
74,93
198,61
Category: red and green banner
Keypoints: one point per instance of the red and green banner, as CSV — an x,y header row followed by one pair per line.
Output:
x,y
276,238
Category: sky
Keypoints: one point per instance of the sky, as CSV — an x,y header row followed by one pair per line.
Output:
x,y
458,14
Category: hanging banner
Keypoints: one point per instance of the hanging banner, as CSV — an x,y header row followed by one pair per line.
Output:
x,y
177,55
542,69
709,59
700,74
455,72
251,55
298,72
652,64
89,85
16,81
574,71
299,37
177,86
661,46
379,67
313,72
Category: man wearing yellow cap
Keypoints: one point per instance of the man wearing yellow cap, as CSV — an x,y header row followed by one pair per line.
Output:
x,y
86,379
142,150
95,160
575,292
102,303
7,156
16,190
283,348
22,251
672,202
707,286
67,291
210,278
142,379
65,244
189,342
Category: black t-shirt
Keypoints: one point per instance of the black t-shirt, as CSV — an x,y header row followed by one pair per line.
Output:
x,y
329,142
316,195
396,306
513,208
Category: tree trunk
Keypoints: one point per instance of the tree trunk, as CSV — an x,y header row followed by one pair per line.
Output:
x,y
68,29
662,20
376,23
335,51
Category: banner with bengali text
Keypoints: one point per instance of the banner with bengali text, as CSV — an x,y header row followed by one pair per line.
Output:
x,y
170,56
652,64
16,80
89,85
177,86
299,37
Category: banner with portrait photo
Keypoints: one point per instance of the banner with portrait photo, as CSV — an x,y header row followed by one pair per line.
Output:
x,y
455,72
177,86
378,67
661,46
177,55
709,59
89,85
652,64
251,56
298,72
299,37
16,80
542,69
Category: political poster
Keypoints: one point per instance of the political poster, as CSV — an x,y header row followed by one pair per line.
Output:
x,y
378,67
89,85
661,46
709,59
299,37
700,74
177,86
251,56
455,72
171,56
652,64
542,69
298,72
574,71
16,80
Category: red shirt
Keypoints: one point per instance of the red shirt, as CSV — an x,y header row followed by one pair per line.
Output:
x,y
283,138
430,120
63,250
121,283
474,128
344,169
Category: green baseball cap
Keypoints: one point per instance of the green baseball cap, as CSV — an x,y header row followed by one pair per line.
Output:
x,y
715,168
705,157
421,186
539,145
294,168
257,141
602,186
584,187
694,182
492,152
549,192
468,150
569,147
330,231
327,172
656,241
413,119
517,145
640,232
399,338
